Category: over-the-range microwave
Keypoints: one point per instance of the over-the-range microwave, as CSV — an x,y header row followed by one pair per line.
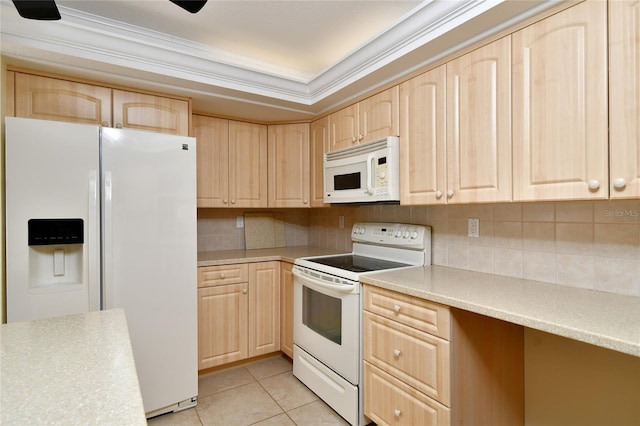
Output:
x,y
364,173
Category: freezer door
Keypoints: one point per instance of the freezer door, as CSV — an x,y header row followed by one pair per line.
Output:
x,y
150,256
52,233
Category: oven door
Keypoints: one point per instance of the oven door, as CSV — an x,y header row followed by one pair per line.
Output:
x,y
326,322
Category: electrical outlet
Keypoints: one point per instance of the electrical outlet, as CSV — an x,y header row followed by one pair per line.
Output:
x,y
474,227
341,222
239,221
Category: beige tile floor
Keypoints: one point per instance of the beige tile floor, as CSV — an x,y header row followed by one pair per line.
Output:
x,y
261,393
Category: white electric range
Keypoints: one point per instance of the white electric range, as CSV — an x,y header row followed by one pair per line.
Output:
x,y
327,309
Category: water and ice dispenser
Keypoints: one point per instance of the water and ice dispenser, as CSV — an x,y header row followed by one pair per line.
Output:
x,y
55,254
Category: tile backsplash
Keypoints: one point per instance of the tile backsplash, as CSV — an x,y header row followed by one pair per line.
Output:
x,y
217,228
594,245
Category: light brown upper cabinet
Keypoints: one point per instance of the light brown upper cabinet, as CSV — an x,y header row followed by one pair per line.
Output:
x,y
560,146
479,125
423,168
318,145
624,98
370,119
231,163
212,147
288,153
48,98
151,113
247,165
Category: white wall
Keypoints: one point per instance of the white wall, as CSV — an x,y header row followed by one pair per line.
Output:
x,y
3,73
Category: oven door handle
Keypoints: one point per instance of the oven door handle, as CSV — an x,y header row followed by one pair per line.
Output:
x,y
342,288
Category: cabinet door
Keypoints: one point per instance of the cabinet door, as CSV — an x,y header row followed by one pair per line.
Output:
x,y
479,125
379,116
151,113
286,309
264,308
560,106
318,145
343,126
222,324
247,165
212,159
47,98
624,98
288,155
423,158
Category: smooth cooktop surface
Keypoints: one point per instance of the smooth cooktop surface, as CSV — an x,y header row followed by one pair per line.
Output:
x,y
354,263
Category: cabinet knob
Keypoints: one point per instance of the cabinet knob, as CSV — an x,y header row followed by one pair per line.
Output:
x,y
360,137
619,183
396,308
353,139
244,291
233,201
225,201
397,413
397,353
438,194
222,276
118,126
305,201
450,193
105,124
594,184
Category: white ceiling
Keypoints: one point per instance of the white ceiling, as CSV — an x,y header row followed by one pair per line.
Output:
x,y
262,60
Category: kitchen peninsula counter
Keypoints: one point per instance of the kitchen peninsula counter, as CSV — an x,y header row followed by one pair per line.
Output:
x,y
286,254
603,319
76,369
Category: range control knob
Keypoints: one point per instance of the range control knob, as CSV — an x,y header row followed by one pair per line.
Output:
x,y
406,234
398,233
414,235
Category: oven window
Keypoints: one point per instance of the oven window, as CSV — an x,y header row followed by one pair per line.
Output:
x,y
346,181
322,314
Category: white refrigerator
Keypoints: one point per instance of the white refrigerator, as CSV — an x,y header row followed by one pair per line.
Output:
x,y
101,218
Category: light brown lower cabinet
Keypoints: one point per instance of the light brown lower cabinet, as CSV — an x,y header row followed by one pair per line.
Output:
x,y
428,364
238,312
286,309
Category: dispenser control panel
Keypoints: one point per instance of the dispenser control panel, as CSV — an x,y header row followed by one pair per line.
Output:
x,y
55,231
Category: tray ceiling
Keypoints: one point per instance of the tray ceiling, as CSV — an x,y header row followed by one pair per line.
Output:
x,y
262,60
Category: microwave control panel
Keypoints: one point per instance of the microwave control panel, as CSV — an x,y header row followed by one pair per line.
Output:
x,y
382,176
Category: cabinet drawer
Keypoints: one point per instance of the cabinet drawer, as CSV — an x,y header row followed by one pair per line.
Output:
x,y
388,401
223,274
421,314
413,356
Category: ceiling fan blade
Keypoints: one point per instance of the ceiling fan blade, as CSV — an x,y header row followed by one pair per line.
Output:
x,y
42,10
192,6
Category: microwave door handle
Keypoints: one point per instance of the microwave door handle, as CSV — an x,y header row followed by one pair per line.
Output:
x,y
370,167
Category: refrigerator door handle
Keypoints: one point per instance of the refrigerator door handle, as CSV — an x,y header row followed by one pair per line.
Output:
x,y
93,268
107,244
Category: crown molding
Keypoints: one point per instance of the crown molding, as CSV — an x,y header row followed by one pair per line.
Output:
x,y
88,37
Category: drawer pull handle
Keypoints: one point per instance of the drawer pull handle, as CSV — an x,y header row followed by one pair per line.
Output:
x,y
397,353
396,308
222,276
397,413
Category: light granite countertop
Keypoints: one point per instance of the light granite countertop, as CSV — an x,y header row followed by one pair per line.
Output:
x,y
286,254
603,319
71,370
